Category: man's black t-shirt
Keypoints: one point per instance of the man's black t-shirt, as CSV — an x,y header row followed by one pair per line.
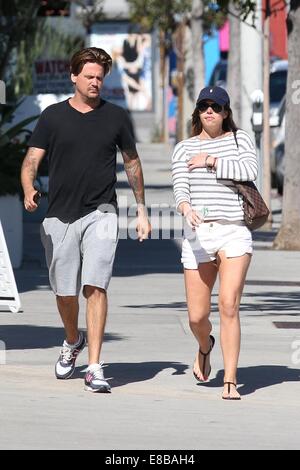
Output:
x,y
81,149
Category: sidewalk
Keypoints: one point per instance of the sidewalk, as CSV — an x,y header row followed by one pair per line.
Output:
x,y
155,402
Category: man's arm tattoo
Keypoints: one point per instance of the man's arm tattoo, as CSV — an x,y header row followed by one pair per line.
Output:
x,y
30,165
133,168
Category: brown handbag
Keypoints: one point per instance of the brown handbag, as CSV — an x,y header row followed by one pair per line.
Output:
x,y
256,212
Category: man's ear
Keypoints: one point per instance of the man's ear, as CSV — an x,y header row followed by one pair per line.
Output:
x,y
73,78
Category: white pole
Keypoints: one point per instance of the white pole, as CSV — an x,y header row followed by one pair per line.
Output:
x,y
266,132
251,73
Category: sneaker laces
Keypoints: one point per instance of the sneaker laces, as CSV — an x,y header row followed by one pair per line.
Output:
x,y
67,354
97,372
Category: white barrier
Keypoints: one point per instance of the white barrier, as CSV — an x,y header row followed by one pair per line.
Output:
x,y
9,295
2,92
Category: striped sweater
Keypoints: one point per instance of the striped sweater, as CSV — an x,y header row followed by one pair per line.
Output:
x,y
213,193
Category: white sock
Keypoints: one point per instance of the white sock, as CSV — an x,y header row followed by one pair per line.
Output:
x,y
93,366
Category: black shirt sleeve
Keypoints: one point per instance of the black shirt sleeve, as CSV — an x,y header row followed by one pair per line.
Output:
x,y
40,137
126,140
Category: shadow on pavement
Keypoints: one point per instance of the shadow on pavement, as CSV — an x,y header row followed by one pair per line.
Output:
x,y
29,279
150,257
264,236
271,303
127,373
158,187
18,337
132,259
180,306
258,377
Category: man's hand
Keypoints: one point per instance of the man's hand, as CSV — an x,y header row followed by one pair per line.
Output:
x,y
29,170
198,161
31,200
143,227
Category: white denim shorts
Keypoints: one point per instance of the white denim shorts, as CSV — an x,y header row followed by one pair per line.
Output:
x,y
203,244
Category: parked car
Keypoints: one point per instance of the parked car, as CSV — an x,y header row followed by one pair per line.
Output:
x,y
219,74
279,158
278,81
277,146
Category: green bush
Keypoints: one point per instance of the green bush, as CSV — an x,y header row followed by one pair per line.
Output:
x,y
13,146
12,155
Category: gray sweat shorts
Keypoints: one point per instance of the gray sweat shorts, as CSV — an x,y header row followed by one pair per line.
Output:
x,y
81,253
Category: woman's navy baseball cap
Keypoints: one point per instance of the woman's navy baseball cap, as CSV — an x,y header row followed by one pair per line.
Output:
x,y
216,94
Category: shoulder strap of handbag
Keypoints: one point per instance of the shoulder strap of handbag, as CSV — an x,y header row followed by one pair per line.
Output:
x,y
235,138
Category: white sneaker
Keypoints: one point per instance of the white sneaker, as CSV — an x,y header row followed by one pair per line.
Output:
x,y
65,366
94,380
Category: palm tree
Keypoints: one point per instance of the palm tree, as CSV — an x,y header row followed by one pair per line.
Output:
x,y
288,237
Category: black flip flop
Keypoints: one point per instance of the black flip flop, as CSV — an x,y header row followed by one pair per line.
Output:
x,y
228,391
212,343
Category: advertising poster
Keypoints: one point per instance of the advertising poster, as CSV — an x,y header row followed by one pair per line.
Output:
x,y
52,76
130,81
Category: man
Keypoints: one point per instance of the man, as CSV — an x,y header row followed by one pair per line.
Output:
x,y
80,137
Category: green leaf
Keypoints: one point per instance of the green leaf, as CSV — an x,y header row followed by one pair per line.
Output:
x,y
18,128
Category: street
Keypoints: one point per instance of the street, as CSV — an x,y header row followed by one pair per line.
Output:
x,y
149,351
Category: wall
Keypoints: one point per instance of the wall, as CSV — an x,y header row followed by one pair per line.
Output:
x,y
278,31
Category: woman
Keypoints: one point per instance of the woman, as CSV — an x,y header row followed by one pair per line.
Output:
x,y
132,62
216,239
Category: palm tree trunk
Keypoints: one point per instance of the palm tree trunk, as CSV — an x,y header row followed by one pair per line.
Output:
x,y
234,85
164,77
288,236
197,45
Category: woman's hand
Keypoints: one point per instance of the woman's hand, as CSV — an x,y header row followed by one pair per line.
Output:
x,y
203,160
198,161
193,219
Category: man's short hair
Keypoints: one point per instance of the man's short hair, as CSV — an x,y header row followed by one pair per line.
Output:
x,y
90,54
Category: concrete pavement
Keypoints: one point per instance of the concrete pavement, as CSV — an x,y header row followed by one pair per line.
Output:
x,y
155,402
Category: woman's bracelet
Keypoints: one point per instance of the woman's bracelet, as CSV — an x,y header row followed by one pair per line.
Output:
x,y
208,166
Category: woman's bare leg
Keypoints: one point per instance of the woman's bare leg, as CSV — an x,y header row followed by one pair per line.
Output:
x,y
199,284
232,279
